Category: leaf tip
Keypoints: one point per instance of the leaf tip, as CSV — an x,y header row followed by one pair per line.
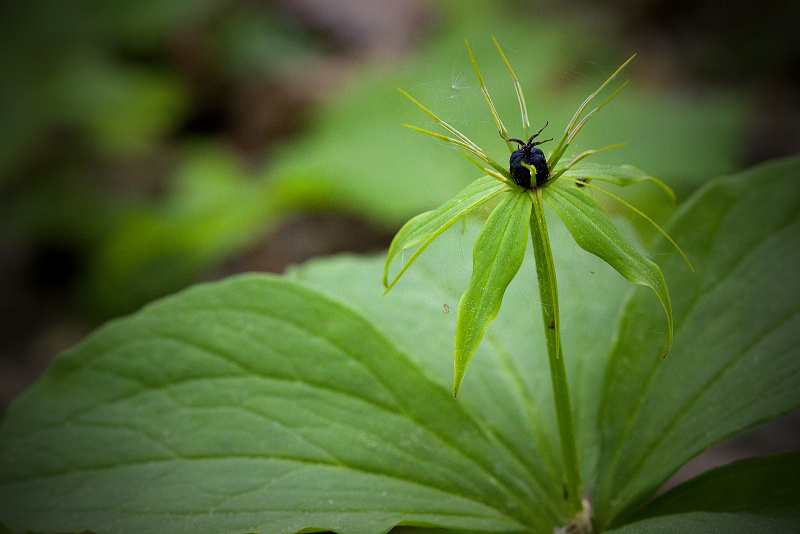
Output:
x,y
406,95
390,286
458,376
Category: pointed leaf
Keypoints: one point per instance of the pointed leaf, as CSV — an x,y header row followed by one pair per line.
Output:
x,y
621,175
768,485
711,523
508,387
497,257
736,357
425,227
594,232
637,212
753,495
252,405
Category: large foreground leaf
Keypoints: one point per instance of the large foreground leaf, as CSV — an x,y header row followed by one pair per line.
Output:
x,y
234,406
755,495
250,405
736,357
750,218
508,386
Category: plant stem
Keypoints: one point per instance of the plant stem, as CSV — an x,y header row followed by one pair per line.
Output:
x,y
548,293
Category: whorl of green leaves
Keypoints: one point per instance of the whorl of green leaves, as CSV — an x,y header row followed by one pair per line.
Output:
x,y
500,248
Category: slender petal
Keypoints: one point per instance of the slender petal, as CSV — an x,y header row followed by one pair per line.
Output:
x,y
572,129
461,137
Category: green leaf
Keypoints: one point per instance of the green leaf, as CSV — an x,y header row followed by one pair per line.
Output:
x,y
509,388
753,495
594,232
497,257
621,175
711,523
735,361
426,227
252,405
186,372
769,485
214,209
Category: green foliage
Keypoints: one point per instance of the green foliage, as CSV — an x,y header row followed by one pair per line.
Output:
x,y
499,250
747,496
213,210
620,175
497,256
112,76
233,406
311,403
594,232
737,333
425,227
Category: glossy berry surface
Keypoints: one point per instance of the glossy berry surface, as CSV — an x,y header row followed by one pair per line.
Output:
x,y
530,155
521,174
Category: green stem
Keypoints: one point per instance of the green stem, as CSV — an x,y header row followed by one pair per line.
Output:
x,y
548,293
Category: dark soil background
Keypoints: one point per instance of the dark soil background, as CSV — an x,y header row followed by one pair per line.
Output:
x,y
752,47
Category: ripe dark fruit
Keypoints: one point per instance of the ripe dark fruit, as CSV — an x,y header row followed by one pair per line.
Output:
x,y
530,155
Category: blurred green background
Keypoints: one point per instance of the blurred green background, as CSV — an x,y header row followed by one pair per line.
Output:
x,y
148,145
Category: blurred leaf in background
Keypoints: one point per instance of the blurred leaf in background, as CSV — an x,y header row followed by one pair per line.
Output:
x,y
146,145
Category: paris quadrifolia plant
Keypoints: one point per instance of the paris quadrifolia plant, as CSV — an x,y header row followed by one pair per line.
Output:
x,y
531,180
